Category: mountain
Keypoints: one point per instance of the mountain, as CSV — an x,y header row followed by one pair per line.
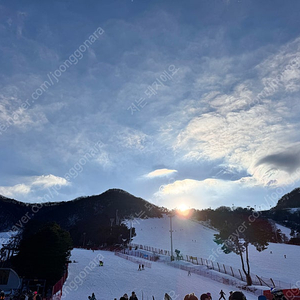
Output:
x,y
87,218
287,213
289,200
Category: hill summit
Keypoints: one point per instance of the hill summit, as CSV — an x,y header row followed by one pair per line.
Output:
x,y
84,217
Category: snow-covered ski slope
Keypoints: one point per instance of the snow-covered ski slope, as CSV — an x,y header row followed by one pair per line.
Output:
x,y
192,238
119,276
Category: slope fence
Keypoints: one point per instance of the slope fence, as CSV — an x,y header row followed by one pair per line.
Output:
x,y
57,288
221,268
133,259
216,277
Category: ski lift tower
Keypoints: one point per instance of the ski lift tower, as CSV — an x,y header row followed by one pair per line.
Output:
x,y
171,215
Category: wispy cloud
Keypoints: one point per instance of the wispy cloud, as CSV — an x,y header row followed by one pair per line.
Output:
x,y
229,117
160,173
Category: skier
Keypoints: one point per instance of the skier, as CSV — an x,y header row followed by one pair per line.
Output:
x,y
143,267
93,297
139,268
133,296
189,273
222,295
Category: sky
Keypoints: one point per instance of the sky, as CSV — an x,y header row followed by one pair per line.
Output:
x,y
178,102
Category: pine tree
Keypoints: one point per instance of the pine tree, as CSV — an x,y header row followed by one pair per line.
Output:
x,y
241,230
43,252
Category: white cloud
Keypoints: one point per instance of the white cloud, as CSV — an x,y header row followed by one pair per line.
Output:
x,y
33,185
160,173
236,129
47,181
14,191
205,193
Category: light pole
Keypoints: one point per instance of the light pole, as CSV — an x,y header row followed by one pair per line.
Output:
x,y
130,233
171,230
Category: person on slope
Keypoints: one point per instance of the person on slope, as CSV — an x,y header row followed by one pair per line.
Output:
x,y
124,297
222,295
209,296
204,297
237,296
93,297
190,297
133,296
167,297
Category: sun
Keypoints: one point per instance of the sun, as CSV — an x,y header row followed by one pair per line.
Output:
x,y
183,210
182,207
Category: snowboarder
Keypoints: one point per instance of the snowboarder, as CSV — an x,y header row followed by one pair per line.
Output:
x,y
133,296
100,263
222,295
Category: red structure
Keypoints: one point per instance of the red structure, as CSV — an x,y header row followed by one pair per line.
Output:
x,y
290,294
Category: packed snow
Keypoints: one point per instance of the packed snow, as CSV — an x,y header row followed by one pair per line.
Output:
x,y
193,238
119,276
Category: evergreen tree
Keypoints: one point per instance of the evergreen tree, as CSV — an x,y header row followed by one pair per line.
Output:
x,y
43,252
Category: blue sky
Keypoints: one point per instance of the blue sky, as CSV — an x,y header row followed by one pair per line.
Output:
x,y
193,102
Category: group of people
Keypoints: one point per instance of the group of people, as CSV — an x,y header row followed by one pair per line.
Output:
x,y
207,296
22,295
141,267
125,297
